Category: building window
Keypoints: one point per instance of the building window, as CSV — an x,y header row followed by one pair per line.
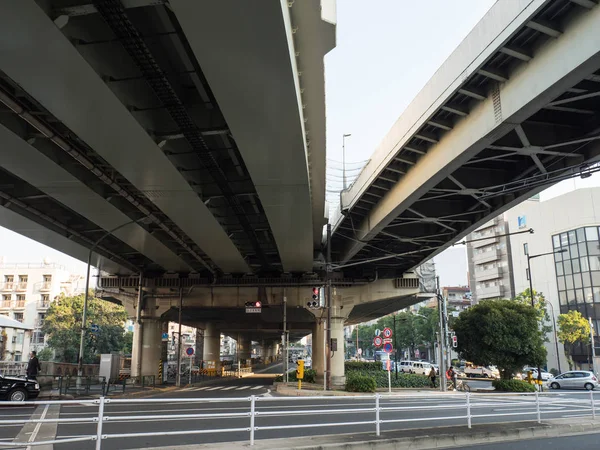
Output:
x,y
38,337
20,301
40,320
526,248
18,317
19,337
45,301
17,357
6,301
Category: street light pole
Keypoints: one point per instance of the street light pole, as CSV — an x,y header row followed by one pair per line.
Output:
x,y
555,335
86,297
344,136
593,347
529,258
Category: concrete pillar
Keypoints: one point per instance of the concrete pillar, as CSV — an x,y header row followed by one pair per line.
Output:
x,y
212,345
150,353
318,335
245,349
338,377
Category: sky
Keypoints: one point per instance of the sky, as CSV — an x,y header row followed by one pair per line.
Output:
x,y
386,52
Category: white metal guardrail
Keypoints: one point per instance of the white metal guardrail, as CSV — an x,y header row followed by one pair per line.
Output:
x,y
461,407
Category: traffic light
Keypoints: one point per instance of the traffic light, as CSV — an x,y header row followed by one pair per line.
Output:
x,y
315,303
256,304
300,370
454,341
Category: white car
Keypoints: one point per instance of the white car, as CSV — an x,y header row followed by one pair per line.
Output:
x,y
576,379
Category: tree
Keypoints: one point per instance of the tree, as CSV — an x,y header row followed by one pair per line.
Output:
x,y
572,328
539,303
504,333
128,343
63,322
45,354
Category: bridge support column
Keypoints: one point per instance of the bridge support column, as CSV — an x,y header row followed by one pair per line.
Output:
x,y
338,377
150,353
318,336
212,345
245,349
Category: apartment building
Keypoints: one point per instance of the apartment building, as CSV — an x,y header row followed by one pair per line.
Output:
x,y
490,262
26,292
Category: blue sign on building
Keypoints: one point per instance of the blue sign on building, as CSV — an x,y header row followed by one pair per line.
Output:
x,y
522,222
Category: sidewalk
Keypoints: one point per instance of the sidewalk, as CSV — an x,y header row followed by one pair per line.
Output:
x,y
423,438
291,390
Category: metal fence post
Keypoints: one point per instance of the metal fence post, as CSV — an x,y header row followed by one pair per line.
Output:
x,y
99,425
377,424
469,409
593,404
537,407
252,409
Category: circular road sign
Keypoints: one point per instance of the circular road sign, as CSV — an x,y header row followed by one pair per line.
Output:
x,y
377,332
387,347
377,341
189,351
387,333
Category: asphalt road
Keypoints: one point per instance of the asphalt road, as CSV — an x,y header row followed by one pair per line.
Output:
x,y
579,442
220,403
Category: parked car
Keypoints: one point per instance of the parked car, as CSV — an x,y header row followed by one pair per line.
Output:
x,y
576,379
16,389
417,367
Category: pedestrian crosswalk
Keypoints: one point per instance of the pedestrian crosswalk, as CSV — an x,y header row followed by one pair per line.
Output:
x,y
224,388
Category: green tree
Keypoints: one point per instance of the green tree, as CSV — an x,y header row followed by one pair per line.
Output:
x,y
504,333
63,322
539,303
572,328
128,343
45,354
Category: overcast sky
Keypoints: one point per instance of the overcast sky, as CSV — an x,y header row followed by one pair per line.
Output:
x,y
386,51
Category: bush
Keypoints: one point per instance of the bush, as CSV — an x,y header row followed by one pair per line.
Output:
x,y
380,376
360,383
363,366
554,372
513,386
309,376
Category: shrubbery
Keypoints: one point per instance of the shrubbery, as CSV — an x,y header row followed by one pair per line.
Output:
x,y
309,376
513,386
374,369
363,366
356,382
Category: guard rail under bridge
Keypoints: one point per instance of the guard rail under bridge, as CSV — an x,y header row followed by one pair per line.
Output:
x,y
513,110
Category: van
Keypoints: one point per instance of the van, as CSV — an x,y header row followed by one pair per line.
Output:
x,y
418,367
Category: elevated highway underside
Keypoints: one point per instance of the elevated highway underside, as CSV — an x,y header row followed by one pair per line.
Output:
x,y
189,118
512,111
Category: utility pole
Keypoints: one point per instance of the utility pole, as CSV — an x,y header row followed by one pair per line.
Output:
x,y
328,306
593,346
442,339
357,342
178,383
285,340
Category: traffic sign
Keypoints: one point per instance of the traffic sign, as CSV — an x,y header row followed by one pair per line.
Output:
x,y
250,310
94,328
387,347
377,341
165,337
189,351
377,332
386,341
387,333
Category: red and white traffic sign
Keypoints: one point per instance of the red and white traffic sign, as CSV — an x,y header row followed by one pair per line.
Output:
x,y
387,333
377,341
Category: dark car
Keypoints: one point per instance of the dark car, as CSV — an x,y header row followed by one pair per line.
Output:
x,y
16,389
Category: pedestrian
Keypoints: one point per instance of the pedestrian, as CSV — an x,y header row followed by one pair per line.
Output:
x,y
33,366
432,375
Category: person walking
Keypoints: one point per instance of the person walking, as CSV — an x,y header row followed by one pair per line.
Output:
x,y
33,366
432,375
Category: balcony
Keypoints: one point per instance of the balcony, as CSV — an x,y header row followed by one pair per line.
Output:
x,y
5,304
21,286
7,286
492,239
489,274
485,257
43,304
489,292
46,286
20,304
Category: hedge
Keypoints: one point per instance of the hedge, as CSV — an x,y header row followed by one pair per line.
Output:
x,y
513,386
360,383
309,376
363,366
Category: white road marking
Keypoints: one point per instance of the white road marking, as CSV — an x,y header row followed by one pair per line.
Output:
x,y
214,388
201,388
36,430
241,388
261,386
229,388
